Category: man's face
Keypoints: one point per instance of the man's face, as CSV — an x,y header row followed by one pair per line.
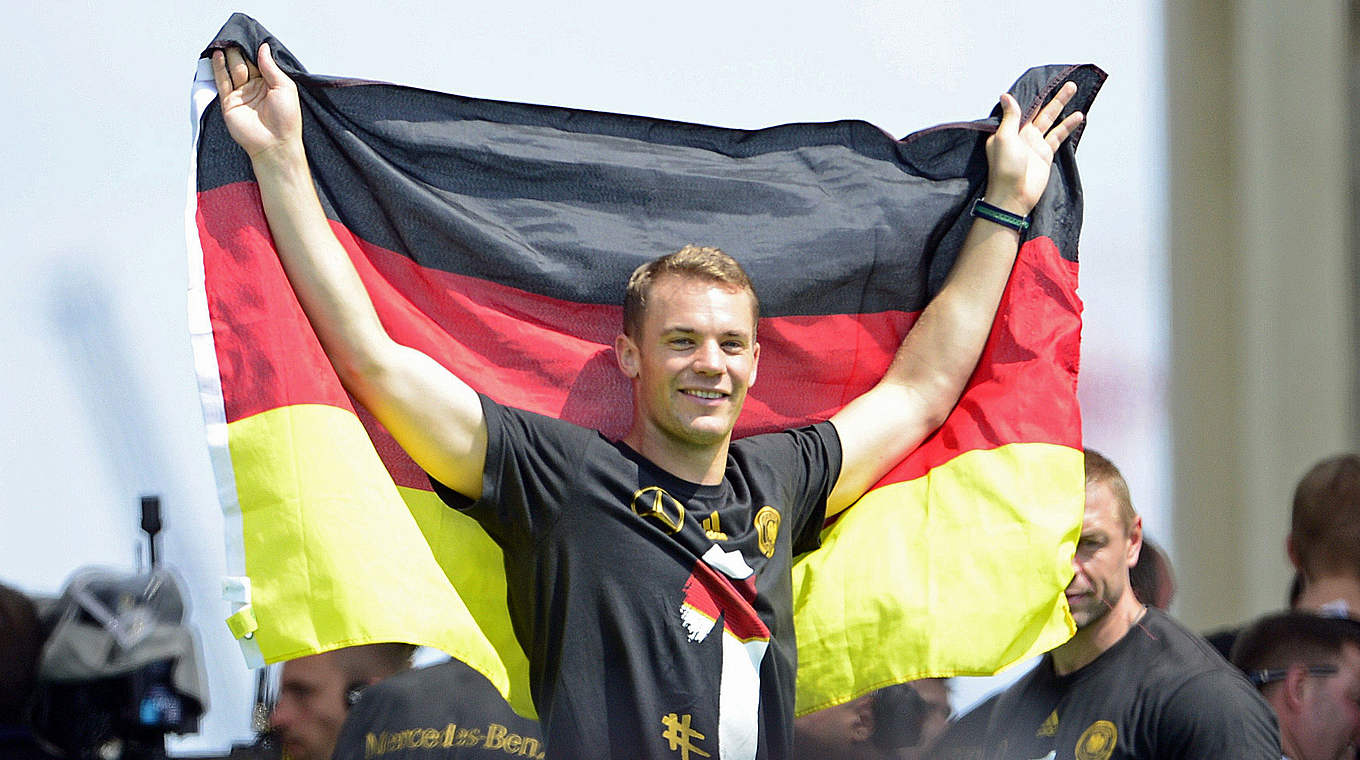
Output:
x,y
1104,554
1329,713
840,732
311,707
935,692
693,359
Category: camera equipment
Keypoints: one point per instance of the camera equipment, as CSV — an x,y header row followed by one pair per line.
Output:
x,y
120,668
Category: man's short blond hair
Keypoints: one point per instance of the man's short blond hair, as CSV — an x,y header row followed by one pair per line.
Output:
x,y
694,261
1099,469
371,662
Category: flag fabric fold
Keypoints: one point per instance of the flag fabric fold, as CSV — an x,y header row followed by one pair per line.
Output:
x,y
496,237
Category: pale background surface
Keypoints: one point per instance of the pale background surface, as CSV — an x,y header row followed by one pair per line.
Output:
x,y
99,405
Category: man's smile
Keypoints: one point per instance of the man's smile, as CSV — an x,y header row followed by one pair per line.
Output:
x,y
704,394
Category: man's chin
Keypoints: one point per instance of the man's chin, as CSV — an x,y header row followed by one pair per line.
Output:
x,y
709,435
707,431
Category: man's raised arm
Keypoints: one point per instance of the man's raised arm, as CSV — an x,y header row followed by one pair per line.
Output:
x,y
430,412
939,354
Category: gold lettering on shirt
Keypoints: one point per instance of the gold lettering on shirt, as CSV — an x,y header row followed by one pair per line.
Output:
x,y
493,737
653,502
712,528
767,529
1098,741
680,736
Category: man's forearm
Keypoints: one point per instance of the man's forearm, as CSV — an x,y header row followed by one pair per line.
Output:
x,y
318,267
940,353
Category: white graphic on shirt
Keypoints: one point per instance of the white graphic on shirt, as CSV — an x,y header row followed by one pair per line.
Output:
x,y
726,593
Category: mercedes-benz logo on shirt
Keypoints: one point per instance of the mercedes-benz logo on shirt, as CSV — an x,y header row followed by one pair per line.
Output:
x,y
655,503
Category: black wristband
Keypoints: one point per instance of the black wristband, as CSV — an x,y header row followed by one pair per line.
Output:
x,y
998,215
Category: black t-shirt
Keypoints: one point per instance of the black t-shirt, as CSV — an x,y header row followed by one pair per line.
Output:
x,y
656,613
446,711
964,738
1160,693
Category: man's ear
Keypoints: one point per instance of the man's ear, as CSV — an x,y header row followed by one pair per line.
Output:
x,y
862,725
626,354
1292,549
1293,686
755,363
1135,540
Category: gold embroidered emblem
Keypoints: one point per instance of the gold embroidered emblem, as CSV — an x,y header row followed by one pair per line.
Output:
x,y
712,529
1050,725
767,529
655,503
1097,742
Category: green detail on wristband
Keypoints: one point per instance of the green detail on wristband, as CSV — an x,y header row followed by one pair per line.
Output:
x,y
999,215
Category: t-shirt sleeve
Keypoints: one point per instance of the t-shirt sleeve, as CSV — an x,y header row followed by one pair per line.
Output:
x,y
1218,714
822,451
805,462
531,467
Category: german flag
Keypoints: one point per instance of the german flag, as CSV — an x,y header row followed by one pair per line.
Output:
x,y
496,237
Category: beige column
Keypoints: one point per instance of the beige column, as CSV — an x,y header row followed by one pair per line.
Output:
x,y
1263,284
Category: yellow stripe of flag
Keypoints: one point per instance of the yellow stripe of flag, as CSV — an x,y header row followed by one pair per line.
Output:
x,y
978,578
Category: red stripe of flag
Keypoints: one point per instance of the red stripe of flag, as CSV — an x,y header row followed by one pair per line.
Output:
x,y
555,357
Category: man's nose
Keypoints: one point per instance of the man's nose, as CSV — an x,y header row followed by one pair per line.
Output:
x,y
708,357
279,715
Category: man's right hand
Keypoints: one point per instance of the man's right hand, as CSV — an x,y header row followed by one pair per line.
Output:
x,y
259,105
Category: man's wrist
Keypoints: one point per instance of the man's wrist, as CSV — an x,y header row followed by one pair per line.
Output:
x,y
996,214
282,156
1009,202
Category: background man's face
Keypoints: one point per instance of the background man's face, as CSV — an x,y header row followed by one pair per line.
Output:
x,y
935,692
311,707
1104,553
696,358
1330,715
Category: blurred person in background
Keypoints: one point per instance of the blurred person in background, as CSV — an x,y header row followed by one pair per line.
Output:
x,y
894,723
21,642
1308,669
317,691
1324,537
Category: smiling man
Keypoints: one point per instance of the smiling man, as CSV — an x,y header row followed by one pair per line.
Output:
x,y
649,577
1132,683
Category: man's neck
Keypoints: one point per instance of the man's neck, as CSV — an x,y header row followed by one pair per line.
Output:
x,y
1093,640
706,465
1323,593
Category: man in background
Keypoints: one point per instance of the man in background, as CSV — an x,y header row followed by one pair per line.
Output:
x,y
1132,682
21,642
894,723
1324,537
316,693
1308,669
447,711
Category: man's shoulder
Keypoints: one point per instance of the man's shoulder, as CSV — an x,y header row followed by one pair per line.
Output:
x,y
505,421
1201,696
819,435
1177,651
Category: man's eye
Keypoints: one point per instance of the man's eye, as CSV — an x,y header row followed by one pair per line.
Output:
x,y
681,342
